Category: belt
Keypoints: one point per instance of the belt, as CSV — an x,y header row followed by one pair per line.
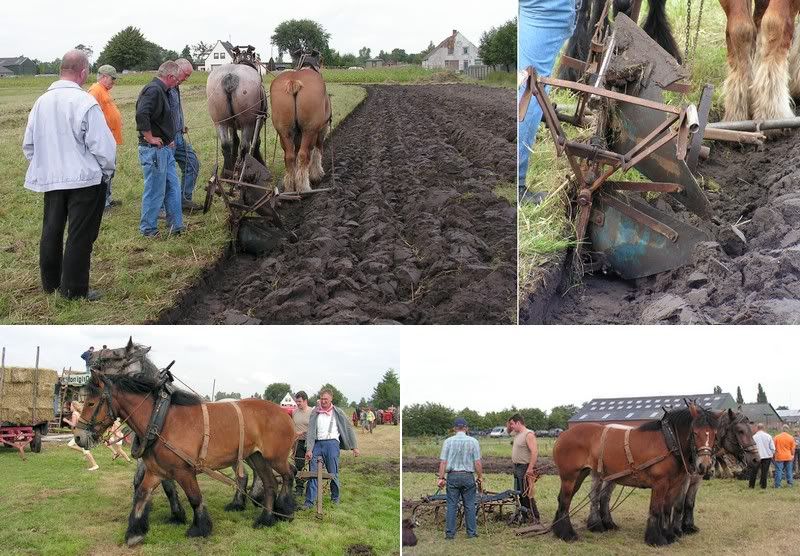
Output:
x,y
468,472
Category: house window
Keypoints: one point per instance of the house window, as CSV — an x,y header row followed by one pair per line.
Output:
x,y
216,55
450,50
221,55
466,50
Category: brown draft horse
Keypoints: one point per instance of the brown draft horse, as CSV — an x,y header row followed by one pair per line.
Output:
x,y
642,457
123,392
734,436
301,112
763,73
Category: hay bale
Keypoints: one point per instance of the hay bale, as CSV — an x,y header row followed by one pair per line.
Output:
x,y
16,398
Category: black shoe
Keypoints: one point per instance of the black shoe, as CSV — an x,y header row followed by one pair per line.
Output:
x,y
114,203
190,206
532,197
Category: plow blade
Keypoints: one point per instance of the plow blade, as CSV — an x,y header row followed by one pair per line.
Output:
x,y
636,240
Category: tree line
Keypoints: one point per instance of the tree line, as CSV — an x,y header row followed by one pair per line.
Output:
x,y
385,393
436,419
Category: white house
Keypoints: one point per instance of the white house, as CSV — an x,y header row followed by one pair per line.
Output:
x,y
219,55
456,53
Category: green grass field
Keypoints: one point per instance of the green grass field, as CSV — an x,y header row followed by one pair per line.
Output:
x,y
50,504
545,230
732,519
431,446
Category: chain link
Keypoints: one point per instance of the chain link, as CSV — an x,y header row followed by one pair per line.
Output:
x,y
688,31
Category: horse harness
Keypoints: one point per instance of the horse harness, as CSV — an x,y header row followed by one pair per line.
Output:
x,y
670,439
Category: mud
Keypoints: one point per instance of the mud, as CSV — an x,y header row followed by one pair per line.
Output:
x,y
412,233
491,464
728,280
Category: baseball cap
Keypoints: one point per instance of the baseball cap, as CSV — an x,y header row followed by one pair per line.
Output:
x,y
107,70
460,422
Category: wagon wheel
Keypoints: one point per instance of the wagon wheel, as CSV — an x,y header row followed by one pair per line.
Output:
x,y
211,189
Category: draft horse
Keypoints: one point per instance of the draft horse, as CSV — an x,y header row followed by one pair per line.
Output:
x,y
301,113
181,436
659,455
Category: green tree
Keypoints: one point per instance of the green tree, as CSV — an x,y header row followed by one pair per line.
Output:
x,y
560,414
276,391
473,418
364,54
302,34
256,396
718,389
227,395
429,418
387,392
200,51
498,46
739,398
187,53
338,398
126,50
761,397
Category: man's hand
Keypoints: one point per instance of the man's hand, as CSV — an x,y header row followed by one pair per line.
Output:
x,y
356,453
155,141
530,471
441,482
171,145
308,455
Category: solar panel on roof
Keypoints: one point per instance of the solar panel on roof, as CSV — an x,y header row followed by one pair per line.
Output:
x,y
605,416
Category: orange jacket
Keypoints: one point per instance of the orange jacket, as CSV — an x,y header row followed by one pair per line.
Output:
x,y
784,447
110,110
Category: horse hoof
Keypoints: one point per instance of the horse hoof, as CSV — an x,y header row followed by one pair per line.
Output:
x,y
596,527
690,529
264,520
611,526
197,532
133,541
178,519
234,507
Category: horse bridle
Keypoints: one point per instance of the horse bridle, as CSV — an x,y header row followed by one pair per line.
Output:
x,y
105,398
751,448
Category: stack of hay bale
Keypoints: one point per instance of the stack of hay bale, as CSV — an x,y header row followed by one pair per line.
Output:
x,y
26,395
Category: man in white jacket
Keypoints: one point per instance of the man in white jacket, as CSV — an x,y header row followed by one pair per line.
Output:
x,y
72,154
766,449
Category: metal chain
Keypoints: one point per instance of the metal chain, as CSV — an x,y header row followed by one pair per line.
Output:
x,y
697,30
688,31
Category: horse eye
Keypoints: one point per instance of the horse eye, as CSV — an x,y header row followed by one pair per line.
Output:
x,y
90,404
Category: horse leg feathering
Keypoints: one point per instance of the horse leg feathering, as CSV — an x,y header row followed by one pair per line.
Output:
x,y
770,86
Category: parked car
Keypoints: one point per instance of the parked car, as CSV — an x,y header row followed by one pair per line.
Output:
x,y
498,432
555,432
542,434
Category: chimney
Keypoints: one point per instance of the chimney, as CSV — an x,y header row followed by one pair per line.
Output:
x,y
455,32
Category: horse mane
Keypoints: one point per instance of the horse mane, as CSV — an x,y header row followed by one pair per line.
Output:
x,y
146,382
681,418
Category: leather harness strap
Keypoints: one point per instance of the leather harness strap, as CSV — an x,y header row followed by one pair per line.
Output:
x,y
627,444
201,461
633,468
239,463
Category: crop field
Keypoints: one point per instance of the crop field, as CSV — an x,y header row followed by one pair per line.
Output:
x,y
51,505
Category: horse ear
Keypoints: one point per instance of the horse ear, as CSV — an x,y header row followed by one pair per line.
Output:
x,y
692,409
731,414
129,347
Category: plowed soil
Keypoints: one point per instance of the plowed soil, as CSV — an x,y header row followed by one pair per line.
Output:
x,y
413,231
730,280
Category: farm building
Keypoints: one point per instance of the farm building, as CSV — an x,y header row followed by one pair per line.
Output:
x,y
636,411
789,416
222,53
288,404
762,413
456,53
374,63
19,65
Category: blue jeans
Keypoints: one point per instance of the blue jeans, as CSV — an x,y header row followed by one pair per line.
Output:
x,y
190,165
329,450
461,488
544,25
161,188
783,468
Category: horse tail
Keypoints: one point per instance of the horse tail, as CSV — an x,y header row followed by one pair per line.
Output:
x,y
293,87
229,84
657,26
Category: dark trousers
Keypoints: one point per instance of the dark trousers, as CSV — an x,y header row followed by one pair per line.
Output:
x,y
528,503
300,463
66,266
764,467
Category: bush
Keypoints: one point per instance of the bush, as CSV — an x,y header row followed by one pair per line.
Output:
x,y
428,419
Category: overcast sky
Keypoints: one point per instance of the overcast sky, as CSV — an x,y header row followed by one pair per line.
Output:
x,y
491,368
45,29
242,359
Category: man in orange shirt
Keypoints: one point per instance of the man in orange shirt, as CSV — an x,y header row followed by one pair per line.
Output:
x,y
106,77
784,457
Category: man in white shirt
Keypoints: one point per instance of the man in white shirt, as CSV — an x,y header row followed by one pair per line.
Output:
x,y
72,154
766,449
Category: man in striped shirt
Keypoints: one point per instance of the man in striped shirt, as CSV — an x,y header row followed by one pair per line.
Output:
x,y
460,460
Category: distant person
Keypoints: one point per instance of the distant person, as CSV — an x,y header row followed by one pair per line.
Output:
x,y
301,416
766,449
329,432
156,127
796,450
370,420
185,156
460,471
114,442
101,91
72,155
87,355
76,409
544,25
356,417
784,457
524,452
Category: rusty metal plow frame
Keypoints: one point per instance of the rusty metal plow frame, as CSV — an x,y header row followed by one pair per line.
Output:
x,y
600,164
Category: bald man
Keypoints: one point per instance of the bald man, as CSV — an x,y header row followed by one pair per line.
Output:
x,y
72,155
185,156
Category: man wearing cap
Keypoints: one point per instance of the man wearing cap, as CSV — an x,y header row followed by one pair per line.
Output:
x,y
329,432
101,91
301,416
72,154
459,461
185,156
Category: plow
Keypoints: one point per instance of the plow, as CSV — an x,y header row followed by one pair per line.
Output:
x,y
620,99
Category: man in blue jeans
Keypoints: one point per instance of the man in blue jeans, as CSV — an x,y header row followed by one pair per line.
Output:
x,y
329,431
184,153
459,462
156,128
544,25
